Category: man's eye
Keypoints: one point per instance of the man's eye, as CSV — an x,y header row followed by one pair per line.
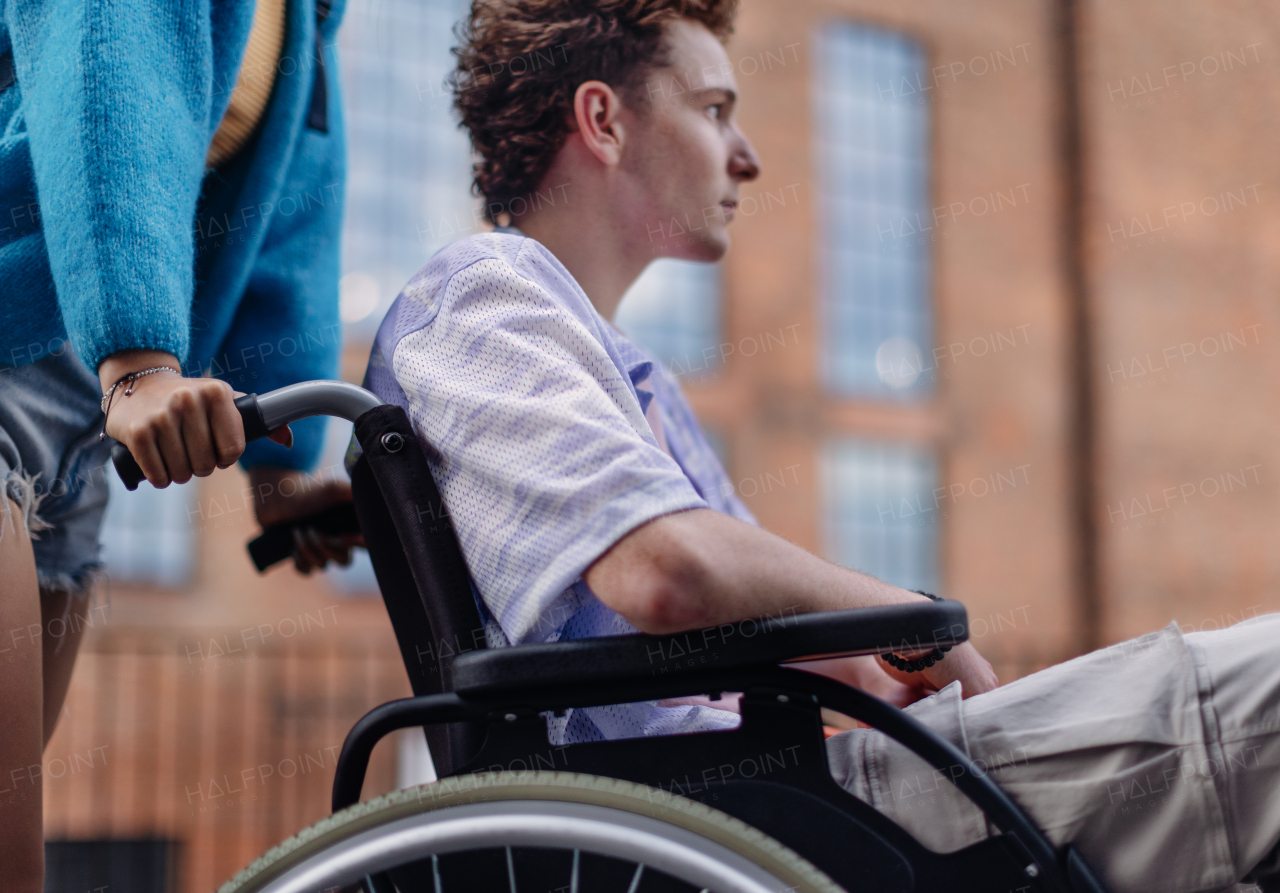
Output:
x,y
717,111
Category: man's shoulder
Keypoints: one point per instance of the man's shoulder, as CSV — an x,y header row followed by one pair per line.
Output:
x,y
490,259
490,267
493,265
457,256
419,303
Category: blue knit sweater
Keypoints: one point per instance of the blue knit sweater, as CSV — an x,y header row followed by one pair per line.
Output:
x,y
113,235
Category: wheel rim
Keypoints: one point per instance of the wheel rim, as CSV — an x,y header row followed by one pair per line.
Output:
x,y
644,841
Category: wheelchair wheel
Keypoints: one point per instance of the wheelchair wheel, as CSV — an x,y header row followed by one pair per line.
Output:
x,y
532,832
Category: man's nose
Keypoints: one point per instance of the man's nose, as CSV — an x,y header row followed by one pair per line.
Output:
x,y
744,165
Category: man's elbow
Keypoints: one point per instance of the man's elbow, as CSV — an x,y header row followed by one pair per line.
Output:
x,y
664,604
660,588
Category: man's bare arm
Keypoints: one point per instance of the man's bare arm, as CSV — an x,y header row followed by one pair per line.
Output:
x,y
702,568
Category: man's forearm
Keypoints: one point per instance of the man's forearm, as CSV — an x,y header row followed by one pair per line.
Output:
x,y
701,568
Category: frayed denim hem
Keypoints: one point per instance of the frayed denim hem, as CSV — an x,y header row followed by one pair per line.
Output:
x,y
20,487
79,585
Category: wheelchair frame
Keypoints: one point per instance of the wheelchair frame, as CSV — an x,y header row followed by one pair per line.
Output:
x,y
481,710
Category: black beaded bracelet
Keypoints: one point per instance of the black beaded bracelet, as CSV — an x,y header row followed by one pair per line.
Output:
x,y
920,663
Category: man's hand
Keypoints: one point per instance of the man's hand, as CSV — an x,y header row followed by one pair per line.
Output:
x,y
282,494
875,677
868,673
175,427
962,663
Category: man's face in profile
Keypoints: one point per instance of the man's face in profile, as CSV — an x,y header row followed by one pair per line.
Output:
x,y
685,155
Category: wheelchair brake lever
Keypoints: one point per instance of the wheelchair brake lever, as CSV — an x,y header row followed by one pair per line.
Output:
x,y
275,544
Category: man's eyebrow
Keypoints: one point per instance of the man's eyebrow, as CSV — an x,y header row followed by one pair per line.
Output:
x,y
729,94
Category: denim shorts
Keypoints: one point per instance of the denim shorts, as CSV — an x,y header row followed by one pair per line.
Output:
x,y
54,467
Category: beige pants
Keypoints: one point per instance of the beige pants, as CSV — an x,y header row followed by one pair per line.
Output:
x,y
1158,758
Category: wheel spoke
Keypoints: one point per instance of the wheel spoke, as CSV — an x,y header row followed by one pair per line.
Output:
x,y
526,840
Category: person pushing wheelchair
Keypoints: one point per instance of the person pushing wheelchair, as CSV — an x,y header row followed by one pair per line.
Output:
x,y
588,502
172,179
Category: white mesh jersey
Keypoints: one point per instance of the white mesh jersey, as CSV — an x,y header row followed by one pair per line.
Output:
x,y
534,408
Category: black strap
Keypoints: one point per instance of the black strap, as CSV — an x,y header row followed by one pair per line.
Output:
x,y
318,116
8,77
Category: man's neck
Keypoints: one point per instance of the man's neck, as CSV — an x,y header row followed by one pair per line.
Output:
x,y
593,248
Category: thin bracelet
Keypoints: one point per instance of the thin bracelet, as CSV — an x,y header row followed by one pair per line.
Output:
x,y
130,377
920,663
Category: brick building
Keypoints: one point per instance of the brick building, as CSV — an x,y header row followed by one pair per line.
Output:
x,y
998,320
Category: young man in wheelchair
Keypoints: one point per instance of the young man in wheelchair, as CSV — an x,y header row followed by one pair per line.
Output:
x,y
588,503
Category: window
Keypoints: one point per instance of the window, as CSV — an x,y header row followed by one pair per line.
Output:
x,y
149,535
408,167
104,866
881,513
872,147
673,310
408,178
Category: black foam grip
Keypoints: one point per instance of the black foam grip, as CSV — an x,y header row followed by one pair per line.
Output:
x,y
255,428
126,466
276,542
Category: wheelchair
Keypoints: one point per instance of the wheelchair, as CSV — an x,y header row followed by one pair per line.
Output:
x,y
749,810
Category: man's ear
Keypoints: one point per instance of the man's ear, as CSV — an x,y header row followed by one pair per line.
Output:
x,y
597,108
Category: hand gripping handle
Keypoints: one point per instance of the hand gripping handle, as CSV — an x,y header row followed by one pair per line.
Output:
x,y
255,428
264,414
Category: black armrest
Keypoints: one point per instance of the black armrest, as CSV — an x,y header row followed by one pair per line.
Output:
x,y
749,643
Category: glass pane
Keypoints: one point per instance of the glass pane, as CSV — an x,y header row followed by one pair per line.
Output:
x,y
408,164
408,178
872,147
149,535
881,513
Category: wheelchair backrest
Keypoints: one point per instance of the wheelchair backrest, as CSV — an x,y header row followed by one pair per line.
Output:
x,y
419,566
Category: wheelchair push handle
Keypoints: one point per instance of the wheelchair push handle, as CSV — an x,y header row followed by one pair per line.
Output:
x,y
263,414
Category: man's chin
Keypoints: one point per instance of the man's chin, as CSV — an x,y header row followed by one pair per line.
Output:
x,y
707,248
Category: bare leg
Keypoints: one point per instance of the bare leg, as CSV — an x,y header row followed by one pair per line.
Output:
x,y
63,632
21,732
